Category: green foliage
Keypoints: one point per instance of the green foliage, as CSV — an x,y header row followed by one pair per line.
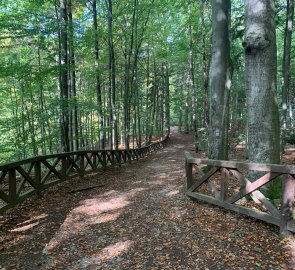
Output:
x,y
30,111
206,169
274,191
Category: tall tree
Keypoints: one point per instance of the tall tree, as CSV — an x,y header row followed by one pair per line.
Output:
x,y
192,81
98,80
220,80
64,94
113,140
286,67
73,121
205,65
167,100
260,76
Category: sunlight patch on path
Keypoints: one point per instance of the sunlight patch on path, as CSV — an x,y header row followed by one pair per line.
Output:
x,y
91,212
29,224
108,253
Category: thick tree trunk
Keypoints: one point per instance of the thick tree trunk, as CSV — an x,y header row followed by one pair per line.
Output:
x,y
220,82
286,68
260,76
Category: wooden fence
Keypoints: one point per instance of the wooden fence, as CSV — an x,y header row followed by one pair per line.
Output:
x,y
21,179
216,181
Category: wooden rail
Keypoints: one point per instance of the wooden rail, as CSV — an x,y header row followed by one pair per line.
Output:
x,y
21,179
223,196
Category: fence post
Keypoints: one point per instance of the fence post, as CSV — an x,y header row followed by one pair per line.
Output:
x,y
104,159
288,193
94,158
82,166
12,184
64,166
38,174
113,157
224,183
188,174
123,153
119,155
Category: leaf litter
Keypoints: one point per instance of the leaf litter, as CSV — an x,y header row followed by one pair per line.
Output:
x,y
139,218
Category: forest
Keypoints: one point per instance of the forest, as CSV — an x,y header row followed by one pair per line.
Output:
x,y
109,74
174,121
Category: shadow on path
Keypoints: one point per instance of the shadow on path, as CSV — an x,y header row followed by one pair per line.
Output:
x,y
139,220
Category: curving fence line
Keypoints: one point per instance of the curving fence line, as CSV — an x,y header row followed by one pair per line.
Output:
x,y
21,179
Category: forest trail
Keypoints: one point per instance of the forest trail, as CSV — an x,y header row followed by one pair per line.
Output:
x,y
140,219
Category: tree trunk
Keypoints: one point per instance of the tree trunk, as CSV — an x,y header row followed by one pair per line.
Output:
x,y
167,100
97,75
42,114
72,82
186,113
286,68
193,84
148,99
260,75
205,67
220,82
154,104
64,125
112,78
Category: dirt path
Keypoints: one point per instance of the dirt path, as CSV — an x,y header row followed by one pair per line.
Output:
x,y
139,220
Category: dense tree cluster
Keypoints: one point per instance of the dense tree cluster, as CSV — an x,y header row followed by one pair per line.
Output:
x,y
84,74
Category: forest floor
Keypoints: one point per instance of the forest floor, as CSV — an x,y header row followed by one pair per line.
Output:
x,y
139,219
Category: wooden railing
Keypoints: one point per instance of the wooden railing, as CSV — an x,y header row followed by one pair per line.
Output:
x,y
225,184
21,179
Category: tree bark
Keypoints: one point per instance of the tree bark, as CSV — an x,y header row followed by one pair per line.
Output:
x,y
167,100
286,68
205,67
64,125
193,84
73,125
97,77
154,104
148,99
113,141
220,81
260,75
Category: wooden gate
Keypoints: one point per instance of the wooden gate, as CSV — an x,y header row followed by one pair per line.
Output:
x,y
216,179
